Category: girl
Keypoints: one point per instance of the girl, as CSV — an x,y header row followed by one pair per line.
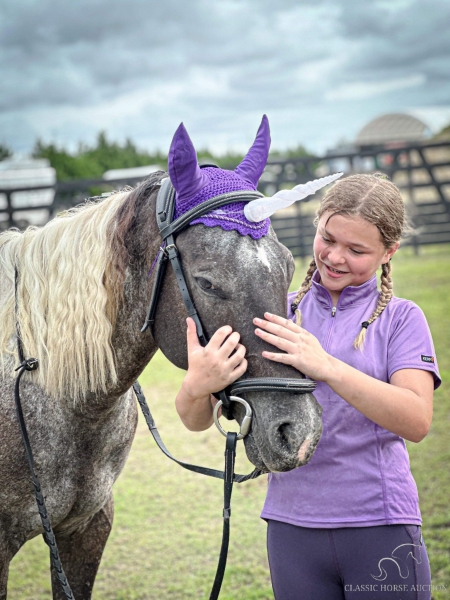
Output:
x,y
347,524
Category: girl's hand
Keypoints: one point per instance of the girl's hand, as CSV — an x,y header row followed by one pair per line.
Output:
x,y
303,350
213,367
210,370
403,406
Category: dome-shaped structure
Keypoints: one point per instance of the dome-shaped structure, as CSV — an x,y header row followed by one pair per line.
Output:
x,y
392,128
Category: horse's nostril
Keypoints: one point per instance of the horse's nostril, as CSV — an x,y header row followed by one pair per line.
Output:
x,y
283,433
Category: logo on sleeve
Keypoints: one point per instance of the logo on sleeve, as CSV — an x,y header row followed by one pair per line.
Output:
x,y
428,359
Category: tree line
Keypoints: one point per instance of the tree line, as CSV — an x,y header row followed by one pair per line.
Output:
x,y
90,162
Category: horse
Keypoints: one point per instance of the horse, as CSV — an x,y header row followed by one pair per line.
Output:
x,y
76,291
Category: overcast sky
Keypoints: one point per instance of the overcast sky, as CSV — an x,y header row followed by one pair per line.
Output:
x,y
320,69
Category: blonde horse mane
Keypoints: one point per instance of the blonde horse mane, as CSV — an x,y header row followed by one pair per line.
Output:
x,y
68,294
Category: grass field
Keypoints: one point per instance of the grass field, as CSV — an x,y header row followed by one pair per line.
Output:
x,y
167,528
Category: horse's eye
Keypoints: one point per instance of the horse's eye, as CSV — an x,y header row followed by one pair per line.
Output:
x,y
205,284
210,289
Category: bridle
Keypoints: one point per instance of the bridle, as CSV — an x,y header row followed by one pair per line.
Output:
x,y
168,228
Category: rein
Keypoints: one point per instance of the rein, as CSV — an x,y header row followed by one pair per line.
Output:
x,y
165,206
31,364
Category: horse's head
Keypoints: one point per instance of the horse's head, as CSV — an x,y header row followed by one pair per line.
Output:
x,y
236,270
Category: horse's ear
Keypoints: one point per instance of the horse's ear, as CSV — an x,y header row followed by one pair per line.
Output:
x,y
185,174
252,166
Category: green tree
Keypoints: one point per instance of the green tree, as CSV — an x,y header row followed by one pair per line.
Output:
x,y
90,162
291,153
5,152
444,134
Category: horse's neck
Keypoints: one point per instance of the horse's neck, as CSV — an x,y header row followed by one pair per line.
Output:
x,y
132,348
136,244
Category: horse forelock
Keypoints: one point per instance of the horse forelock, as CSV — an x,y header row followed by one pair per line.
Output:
x,y
70,285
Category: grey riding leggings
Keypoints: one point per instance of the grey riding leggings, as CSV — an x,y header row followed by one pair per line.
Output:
x,y
387,562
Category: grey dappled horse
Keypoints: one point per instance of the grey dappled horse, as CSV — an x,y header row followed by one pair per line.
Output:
x,y
82,294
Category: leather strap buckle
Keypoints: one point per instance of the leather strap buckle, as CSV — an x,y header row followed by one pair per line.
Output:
x,y
169,248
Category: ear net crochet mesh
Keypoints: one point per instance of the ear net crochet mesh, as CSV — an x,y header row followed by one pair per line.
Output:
x,y
229,217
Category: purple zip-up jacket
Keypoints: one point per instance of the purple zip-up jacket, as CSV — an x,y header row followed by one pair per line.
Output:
x,y
359,475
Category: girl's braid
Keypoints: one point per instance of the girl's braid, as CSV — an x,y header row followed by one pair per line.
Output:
x,y
305,287
386,293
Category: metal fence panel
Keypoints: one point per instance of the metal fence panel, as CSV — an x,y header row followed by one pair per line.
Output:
x,y
421,171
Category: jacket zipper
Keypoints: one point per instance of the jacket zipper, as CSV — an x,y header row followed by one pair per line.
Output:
x,y
330,330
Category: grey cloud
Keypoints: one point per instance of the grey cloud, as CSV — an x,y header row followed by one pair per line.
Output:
x,y
112,43
54,23
404,36
259,56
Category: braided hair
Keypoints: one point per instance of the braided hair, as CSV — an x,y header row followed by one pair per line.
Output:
x,y
378,201
305,287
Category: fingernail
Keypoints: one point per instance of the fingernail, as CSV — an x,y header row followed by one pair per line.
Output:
x,y
258,331
256,320
267,314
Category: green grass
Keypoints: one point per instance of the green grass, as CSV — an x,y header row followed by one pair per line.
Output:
x,y
427,282
167,528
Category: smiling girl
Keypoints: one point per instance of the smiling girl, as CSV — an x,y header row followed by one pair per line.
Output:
x,y
347,524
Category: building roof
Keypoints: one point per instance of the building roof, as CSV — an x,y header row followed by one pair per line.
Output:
x,y
392,128
131,172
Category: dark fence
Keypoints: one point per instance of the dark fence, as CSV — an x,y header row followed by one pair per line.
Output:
x,y
422,172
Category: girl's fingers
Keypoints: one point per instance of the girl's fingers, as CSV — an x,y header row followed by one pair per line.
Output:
x,y
192,339
285,328
287,359
239,370
229,345
237,357
219,337
287,323
277,341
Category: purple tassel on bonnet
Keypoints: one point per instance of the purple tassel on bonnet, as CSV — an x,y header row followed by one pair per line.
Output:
x,y
194,185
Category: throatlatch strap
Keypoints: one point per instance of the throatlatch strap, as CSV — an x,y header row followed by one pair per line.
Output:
x,y
153,304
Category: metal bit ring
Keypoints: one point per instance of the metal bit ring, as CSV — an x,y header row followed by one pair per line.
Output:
x,y
246,421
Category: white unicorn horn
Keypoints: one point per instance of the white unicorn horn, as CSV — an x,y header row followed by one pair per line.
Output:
x,y
258,210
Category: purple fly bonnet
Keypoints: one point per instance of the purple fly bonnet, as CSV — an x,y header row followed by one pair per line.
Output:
x,y
194,185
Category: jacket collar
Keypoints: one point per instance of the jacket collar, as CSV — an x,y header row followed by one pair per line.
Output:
x,y
350,295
